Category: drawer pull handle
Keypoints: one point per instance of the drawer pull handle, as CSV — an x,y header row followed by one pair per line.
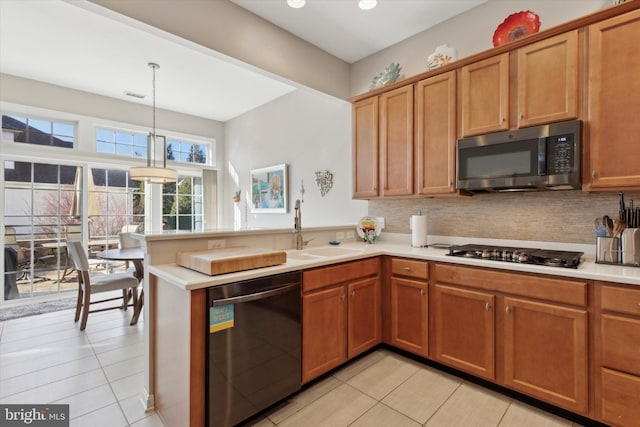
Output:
x,y
487,306
342,297
353,294
406,269
421,292
508,310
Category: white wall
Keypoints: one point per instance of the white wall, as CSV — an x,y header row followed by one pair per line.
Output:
x,y
309,132
470,33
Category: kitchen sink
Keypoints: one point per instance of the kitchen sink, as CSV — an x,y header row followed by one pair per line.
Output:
x,y
320,252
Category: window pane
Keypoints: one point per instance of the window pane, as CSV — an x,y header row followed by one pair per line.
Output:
x,y
124,150
40,125
105,135
123,138
105,147
140,140
63,129
45,173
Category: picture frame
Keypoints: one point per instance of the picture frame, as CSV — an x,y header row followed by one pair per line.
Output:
x,y
269,189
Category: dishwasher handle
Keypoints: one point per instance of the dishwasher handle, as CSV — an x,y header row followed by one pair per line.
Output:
x,y
252,297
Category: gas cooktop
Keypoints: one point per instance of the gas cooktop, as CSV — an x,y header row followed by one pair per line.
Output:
x,y
521,255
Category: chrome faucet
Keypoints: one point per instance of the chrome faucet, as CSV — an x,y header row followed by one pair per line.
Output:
x,y
297,226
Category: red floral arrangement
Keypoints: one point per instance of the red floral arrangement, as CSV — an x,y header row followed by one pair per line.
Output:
x,y
516,26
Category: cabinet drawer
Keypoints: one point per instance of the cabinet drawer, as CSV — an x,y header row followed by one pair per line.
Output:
x,y
622,300
620,398
621,343
341,273
548,289
410,268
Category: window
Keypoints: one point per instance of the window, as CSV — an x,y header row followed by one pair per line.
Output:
x,y
121,143
40,210
182,151
182,204
29,130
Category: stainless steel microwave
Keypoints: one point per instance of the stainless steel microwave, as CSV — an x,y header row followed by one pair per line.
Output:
x,y
535,158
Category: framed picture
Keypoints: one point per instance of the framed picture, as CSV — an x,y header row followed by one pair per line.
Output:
x,y
269,189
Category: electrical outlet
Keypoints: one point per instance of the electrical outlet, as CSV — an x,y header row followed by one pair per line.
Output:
x,y
213,244
340,235
350,235
380,220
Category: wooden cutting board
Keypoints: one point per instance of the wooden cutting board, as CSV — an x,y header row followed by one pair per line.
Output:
x,y
229,260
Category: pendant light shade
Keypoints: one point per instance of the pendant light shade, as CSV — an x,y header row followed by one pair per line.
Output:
x,y
152,173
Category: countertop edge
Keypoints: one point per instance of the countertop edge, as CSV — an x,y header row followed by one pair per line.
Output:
x,y
588,270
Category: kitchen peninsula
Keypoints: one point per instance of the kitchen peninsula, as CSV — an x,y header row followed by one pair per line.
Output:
x,y
592,305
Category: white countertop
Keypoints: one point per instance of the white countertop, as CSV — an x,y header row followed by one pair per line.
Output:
x,y
588,269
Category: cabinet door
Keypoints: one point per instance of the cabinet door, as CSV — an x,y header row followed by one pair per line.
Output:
x,y
435,121
614,102
324,341
485,96
409,315
365,148
548,80
396,142
545,352
363,315
465,330
620,398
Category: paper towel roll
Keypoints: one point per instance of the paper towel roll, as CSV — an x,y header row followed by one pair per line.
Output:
x,y
418,231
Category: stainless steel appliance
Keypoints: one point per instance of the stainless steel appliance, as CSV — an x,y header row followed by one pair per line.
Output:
x,y
253,346
547,257
535,158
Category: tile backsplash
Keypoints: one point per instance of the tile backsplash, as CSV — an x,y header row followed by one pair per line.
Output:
x,y
552,216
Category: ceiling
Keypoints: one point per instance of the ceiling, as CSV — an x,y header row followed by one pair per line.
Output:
x,y
342,29
79,45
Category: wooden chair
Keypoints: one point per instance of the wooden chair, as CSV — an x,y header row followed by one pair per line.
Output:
x,y
88,285
125,241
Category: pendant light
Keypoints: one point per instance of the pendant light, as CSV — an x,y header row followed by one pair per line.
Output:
x,y
152,173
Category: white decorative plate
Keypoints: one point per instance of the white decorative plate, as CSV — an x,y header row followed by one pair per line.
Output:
x,y
368,229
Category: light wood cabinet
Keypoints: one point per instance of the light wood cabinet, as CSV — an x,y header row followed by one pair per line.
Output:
x,y
547,80
324,347
617,355
396,142
409,306
485,96
340,314
545,352
465,330
383,145
614,102
365,148
545,87
516,330
435,125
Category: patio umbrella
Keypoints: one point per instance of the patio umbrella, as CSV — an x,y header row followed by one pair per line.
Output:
x,y
76,204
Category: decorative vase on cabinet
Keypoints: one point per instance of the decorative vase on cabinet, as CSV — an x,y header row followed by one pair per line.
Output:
x,y
442,56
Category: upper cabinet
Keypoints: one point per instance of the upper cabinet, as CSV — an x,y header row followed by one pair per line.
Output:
x,y
614,102
548,80
435,124
383,145
365,148
485,96
545,80
396,142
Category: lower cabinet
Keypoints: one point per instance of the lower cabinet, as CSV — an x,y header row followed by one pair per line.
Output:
x,y
465,330
617,348
340,314
539,348
545,352
409,306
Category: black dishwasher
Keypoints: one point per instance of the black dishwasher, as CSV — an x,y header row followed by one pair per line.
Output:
x,y
253,346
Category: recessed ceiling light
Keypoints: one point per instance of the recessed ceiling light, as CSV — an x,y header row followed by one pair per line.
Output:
x,y
367,4
296,4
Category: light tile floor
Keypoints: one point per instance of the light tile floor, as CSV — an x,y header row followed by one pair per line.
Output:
x,y
99,372
386,389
